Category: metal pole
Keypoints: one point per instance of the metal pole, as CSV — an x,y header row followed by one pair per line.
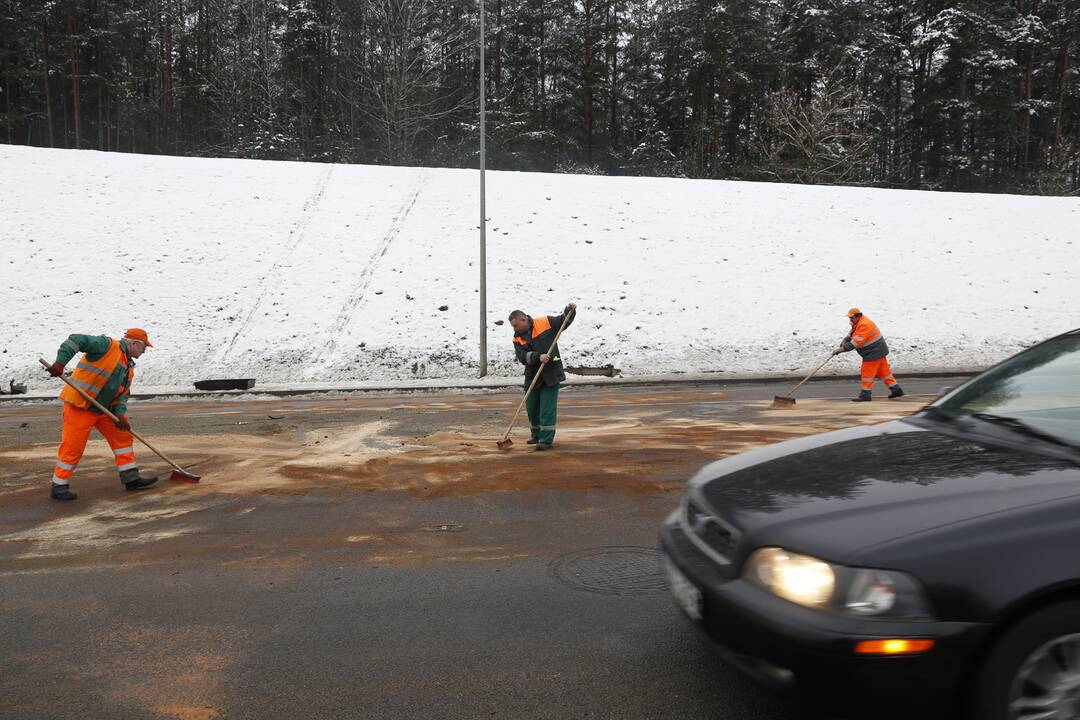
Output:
x,y
483,210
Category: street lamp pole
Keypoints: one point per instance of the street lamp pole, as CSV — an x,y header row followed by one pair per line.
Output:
x,y
483,211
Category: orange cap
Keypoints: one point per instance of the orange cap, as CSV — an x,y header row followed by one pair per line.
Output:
x,y
853,312
137,334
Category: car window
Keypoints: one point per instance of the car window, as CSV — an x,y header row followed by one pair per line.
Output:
x,y
1039,387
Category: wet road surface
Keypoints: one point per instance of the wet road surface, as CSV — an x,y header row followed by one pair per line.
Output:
x,y
376,556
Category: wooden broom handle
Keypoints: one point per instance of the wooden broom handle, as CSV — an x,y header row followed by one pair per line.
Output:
x,y
108,414
539,372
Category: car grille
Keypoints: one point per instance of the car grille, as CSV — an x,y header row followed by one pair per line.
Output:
x,y
716,538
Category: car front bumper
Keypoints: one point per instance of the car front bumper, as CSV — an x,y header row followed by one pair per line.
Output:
x,y
810,653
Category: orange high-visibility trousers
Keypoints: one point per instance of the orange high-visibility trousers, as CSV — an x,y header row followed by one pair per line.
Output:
x,y
77,426
876,369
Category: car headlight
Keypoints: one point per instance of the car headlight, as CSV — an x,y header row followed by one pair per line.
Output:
x,y
798,578
815,583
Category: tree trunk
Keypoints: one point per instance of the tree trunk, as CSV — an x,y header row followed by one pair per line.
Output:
x,y
1029,72
102,133
7,106
543,66
497,66
587,79
722,75
1063,79
613,81
45,77
918,118
101,71
75,81
959,122
167,99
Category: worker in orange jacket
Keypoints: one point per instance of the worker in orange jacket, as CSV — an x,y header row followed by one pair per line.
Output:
x,y
866,339
104,373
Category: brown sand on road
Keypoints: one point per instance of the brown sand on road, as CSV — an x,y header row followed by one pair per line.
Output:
x,y
603,443
412,449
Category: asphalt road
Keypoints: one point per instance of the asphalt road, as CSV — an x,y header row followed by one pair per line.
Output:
x,y
374,556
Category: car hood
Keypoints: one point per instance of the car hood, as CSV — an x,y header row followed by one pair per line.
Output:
x,y
840,494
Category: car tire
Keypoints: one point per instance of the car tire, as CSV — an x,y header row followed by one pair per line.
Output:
x,y
1016,654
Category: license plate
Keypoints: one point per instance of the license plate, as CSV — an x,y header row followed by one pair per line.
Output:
x,y
685,592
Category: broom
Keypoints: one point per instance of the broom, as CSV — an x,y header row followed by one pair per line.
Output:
x,y
786,401
179,473
506,442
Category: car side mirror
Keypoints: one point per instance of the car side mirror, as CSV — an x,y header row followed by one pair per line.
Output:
x,y
944,391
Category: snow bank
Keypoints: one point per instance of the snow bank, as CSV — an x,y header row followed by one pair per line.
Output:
x,y
302,273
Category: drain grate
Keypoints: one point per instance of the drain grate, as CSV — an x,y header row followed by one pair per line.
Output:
x,y
617,570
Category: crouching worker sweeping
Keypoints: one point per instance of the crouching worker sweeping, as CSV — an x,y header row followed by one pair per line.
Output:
x,y
105,373
866,339
533,345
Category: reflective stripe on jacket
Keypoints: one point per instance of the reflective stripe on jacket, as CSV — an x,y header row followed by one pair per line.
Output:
x,y
867,340
104,372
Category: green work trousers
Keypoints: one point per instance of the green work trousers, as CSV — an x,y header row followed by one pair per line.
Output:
x,y
542,406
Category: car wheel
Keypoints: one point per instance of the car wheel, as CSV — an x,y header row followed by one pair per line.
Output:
x,y
1033,672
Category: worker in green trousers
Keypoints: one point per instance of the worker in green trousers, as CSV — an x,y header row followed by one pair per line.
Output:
x,y
533,338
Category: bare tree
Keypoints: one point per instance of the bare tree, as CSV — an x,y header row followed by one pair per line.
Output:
x,y
246,88
400,70
824,141
1061,172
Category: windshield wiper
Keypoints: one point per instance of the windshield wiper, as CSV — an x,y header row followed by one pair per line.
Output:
x,y
1023,428
937,413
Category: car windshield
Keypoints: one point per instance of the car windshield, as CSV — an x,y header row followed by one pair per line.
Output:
x,y
1036,393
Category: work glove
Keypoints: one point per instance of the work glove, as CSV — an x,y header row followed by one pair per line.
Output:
x,y
122,423
56,369
544,359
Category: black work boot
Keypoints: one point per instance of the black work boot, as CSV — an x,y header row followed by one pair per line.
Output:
x,y
62,492
896,392
864,396
531,441
543,446
134,481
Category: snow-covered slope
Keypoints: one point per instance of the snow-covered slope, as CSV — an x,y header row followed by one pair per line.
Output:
x,y
300,272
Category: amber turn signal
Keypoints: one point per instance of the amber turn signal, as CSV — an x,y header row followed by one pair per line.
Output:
x,y
893,646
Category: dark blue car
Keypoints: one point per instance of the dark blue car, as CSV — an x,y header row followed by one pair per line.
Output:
x,y
926,567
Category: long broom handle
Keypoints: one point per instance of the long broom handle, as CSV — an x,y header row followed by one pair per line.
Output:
x,y
815,372
539,372
108,414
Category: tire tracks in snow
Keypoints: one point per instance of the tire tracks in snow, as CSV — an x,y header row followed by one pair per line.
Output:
x,y
296,236
345,315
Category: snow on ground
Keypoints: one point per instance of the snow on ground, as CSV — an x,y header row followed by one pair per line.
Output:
x,y
298,273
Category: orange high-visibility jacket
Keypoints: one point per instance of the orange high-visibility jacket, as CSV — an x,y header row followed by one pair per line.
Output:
x,y
867,340
92,377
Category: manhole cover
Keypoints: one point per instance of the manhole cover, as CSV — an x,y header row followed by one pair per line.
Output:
x,y
620,570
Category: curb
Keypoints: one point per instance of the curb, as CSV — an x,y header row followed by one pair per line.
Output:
x,y
696,379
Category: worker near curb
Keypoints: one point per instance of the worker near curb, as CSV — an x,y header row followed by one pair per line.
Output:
x,y
866,339
532,341
104,372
